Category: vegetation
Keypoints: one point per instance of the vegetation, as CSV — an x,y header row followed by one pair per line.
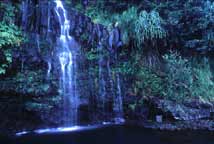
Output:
x,y
178,77
10,35
166,52
29,83
159,43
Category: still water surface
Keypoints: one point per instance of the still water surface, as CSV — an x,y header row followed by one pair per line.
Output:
x,y
116,134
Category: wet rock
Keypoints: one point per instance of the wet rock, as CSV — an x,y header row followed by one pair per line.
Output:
x,y
42,19
84,114
135,111
193,110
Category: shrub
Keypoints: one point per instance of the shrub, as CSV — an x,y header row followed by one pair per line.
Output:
x,y
188,78
144,80
203,85
149,82
10,35
178,77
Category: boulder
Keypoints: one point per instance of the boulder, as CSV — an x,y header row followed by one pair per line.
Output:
x,y
185,111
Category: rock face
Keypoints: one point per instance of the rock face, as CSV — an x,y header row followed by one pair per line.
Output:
x,y
40,17
36,97
193,110
194,114
39,21
29,82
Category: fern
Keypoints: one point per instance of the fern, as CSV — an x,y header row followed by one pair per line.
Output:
x,y
148,26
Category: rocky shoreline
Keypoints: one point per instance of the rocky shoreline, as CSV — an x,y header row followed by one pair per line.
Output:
x,y
206,125
195,115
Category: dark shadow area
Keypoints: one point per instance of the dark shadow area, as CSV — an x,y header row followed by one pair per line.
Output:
x,y
118,135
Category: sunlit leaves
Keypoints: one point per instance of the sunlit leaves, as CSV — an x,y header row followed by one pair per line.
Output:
x,y
149,26
10,35
186,78
126,23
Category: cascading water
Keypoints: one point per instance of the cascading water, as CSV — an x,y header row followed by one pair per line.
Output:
x,y
38,42
49,60
111,83
102,83
49,69
118,102
24,25
24,13
117,96
67,58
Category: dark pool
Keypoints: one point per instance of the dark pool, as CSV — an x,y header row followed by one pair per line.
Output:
x,y
117,135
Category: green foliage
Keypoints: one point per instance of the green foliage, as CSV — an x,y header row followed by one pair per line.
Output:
x,y
134,26
187,79
148,82
179,76
126,68
95,54
203,85
148,26
207,23
10,35
92,55
151,82
35,106
189,24
133,106
43,104
182,78
126,23
192,25
99,16
8,12
31,82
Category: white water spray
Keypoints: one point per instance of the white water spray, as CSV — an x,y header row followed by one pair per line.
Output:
x,y
67,59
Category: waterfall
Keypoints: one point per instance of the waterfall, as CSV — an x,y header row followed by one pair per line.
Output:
x,y
48,37
38,43
67,58
49,69
111,83
116,93
118,102
48,18
102,83
24,13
